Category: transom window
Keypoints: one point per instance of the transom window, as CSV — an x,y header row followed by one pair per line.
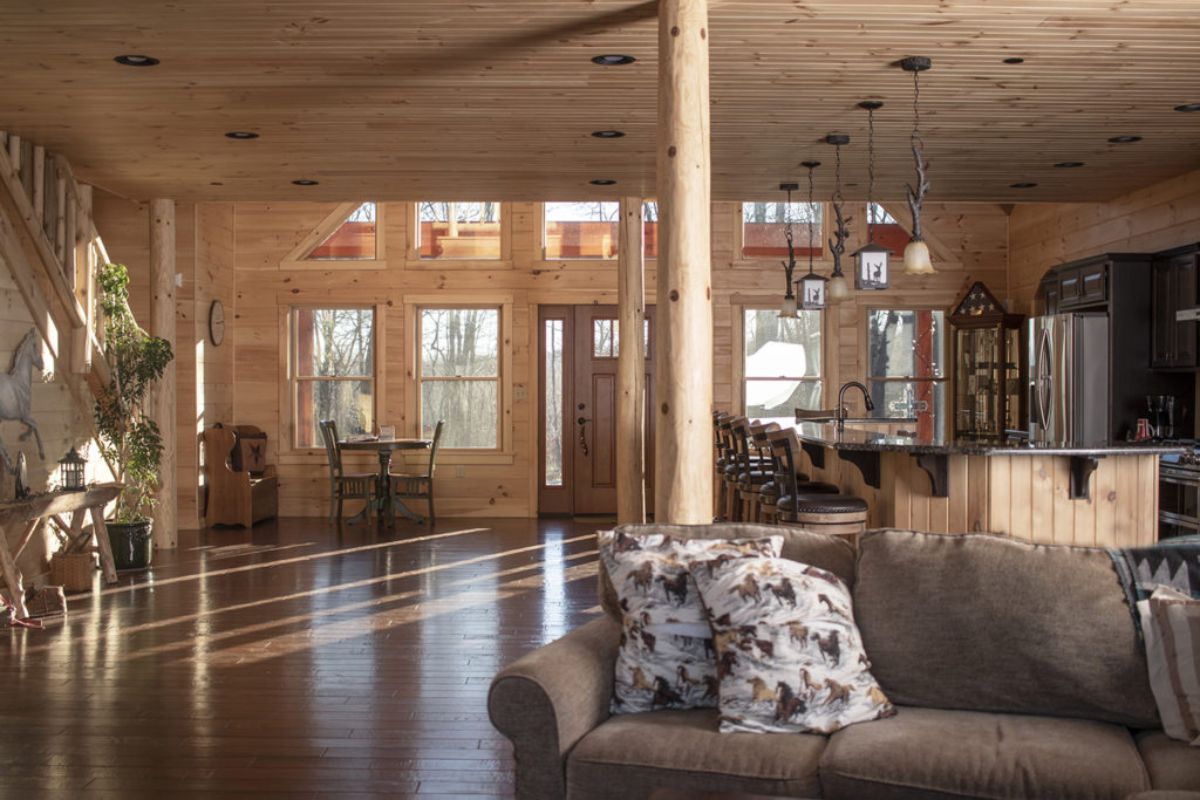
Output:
x,y
354,240
333,375
458,230
764,226
459,375
606,338
905,365
582,229
886,230
650,228
781,363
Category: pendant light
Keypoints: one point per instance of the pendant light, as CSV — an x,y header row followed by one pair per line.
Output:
x,y
871,270
788,308
839,287
812,285
916,254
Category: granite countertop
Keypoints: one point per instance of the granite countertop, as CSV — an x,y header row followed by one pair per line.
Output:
x,y
864,439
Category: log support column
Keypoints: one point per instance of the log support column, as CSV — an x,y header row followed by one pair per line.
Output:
x,y
631,366
162,324
683,377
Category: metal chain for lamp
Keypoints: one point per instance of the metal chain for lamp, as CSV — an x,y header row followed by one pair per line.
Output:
x,y
789,266
870,174
810,219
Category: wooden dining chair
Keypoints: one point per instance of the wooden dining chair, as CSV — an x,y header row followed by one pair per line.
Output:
x,y
344,485
418,486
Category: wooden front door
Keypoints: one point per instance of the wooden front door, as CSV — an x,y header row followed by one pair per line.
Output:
x,y
579,350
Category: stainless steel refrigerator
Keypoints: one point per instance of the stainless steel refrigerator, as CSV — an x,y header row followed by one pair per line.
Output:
x,y
1068,379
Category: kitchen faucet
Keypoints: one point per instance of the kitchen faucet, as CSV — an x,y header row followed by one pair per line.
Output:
x,y
841,409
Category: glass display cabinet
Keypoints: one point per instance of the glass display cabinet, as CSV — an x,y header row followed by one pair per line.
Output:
x,y
988,371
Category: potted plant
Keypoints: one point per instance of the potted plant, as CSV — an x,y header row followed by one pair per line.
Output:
x,y
129,438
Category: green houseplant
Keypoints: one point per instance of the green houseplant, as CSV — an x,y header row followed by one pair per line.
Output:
x,y
129,438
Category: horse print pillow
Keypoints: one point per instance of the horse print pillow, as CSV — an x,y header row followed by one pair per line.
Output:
x,y
666,658
789,656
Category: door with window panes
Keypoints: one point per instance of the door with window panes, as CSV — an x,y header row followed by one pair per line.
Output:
x,y
580,346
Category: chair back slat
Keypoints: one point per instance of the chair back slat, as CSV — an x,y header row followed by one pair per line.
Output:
x,y
332,451
785,457
433,447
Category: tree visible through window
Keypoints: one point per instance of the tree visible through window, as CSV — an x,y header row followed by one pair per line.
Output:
x,y
764,224
458,230
354,239
582,230
781,364
905,371
460,375
334,375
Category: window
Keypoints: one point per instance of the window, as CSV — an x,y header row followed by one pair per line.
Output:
x,y
650,228
887,231
781,367
582,230
459,375
553,386
905,369
763,226
334,371
606,338
461,231
353,240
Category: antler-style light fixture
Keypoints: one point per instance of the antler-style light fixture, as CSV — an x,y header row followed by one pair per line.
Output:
x,y
788,307
916,254
872,268
812,285
839,287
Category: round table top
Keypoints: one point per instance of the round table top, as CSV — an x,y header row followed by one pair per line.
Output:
x,y
384,444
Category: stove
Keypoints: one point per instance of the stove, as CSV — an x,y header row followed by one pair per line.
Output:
x,y
1179,491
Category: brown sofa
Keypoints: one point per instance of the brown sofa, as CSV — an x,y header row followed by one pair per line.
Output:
x,y
1015,667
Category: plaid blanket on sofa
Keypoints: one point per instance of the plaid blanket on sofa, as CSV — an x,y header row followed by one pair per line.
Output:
x,y
1174,563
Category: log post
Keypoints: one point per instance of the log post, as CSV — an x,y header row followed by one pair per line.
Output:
x,y
631,365
162,324
683,375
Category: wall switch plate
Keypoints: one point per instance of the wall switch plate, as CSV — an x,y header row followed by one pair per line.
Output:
x,y
460,471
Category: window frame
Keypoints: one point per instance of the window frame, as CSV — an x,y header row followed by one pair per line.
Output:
x,y
503,453
588,262
865,343
297,258
412,252
290,334
741,306
740,259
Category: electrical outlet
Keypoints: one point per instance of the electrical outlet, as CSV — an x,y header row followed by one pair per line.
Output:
x,y
460,471
519,393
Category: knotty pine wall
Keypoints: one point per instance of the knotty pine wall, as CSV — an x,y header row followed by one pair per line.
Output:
x,y
968,240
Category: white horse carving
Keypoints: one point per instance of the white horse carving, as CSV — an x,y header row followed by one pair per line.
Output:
x,y
15,394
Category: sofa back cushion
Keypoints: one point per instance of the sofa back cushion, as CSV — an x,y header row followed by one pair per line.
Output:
x,y
987,623
822,550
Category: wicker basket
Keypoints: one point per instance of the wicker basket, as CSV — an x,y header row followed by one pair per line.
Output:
x,y
72,571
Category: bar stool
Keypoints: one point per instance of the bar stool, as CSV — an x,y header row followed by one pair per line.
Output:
x,y
842,514
749,475
729,468
791,482
759,495
720,461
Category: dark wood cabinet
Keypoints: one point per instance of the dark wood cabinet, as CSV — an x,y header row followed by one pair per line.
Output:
x,y
1174,288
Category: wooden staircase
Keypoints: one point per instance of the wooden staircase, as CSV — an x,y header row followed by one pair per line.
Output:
x,y
52,248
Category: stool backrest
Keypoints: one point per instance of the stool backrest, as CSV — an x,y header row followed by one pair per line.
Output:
x,y
784,455
725,427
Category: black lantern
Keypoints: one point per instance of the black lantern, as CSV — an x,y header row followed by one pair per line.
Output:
x,y
70,470
871,258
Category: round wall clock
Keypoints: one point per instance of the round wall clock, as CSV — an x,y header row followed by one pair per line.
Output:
x,y
216,323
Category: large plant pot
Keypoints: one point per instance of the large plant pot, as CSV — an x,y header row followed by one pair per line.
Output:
x,y
132,544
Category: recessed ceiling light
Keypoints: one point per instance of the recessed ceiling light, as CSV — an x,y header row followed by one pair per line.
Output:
x,y
608,134
1022,185
241,135
602,182
215,183
305,182
134,60
871,105
613,60
1124,139
1069,164
1188,107
1013,60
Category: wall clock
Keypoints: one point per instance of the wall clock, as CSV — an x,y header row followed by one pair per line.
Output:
x,y
216,323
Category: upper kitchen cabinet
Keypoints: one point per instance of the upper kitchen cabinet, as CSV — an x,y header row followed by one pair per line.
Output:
x,y
1174,289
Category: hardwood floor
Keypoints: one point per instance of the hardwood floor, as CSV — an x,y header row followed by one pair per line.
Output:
x,y
293,662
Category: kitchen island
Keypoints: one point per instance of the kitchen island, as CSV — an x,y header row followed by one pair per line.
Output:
x,y
1104,495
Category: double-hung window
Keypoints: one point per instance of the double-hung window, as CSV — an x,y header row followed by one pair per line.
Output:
x,y
781,363
333,371
905,365
458,373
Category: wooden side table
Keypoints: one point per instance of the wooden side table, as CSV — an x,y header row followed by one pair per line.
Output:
x,y
21,519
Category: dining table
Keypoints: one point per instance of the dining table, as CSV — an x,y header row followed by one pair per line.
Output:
x,y
385,505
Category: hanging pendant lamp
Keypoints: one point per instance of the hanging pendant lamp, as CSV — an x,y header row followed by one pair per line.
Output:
x,y
839,287
871,270
787,308
916,254
812,286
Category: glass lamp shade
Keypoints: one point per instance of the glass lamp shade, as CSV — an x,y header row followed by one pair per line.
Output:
x,y
916,259
787,308
838,288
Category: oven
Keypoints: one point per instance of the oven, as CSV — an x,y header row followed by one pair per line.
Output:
x,y
1178,499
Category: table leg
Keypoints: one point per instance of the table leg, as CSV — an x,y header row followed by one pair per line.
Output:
x,y
385,486
104,546
12,576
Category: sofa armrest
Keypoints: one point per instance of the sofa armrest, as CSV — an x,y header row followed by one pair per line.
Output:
x,y
548,700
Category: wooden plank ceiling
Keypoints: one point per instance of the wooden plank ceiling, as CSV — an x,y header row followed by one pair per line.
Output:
x,y
462,99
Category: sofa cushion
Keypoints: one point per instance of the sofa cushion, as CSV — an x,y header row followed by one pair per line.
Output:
x,y
1172,764
987,623
1171,625
822,550
788,653
630,756
930,753
666,658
